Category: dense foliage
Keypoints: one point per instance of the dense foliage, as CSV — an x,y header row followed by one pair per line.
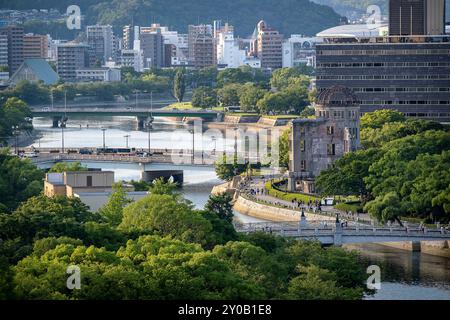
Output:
x,y
162,249
403,169
19,180
14,117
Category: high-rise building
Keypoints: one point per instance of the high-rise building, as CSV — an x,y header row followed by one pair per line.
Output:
x,y
268,46
416,17
35,46
410,74
152,46
100,41
229,54
3,50
128,37
202,46
14,34
71,57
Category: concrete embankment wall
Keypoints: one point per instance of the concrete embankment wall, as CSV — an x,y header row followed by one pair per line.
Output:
x,y
436,248
271,213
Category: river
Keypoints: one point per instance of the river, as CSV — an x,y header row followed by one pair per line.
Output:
x,y
404,275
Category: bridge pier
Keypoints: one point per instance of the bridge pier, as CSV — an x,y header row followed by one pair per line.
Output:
x,y
56,122
59,121
141,122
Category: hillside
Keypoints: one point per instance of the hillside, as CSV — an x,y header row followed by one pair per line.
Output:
x,y
288,16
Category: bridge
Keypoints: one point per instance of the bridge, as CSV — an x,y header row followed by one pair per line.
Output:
x,y
142,114
336,234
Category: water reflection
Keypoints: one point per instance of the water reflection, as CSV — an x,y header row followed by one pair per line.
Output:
x,y
407,275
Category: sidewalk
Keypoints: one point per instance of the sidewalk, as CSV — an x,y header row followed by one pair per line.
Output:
x,y
256,185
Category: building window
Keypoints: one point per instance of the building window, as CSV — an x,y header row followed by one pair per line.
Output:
x,y
330,130
302,145
331,149
89,181
303,165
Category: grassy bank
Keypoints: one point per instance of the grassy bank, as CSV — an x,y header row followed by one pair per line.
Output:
x,y
287,196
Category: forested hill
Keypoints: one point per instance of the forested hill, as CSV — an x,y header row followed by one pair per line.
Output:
x,y
288,16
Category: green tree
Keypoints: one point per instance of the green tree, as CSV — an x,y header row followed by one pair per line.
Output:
x,y
112,211
228,95
285,77
179,85
378,118
204,97
226,171
315,283
284,148
221,206
61,167
165,215
249,96
160,186
19,181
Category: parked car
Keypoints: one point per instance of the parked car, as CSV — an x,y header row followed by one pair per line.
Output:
x,y
30,155
85,151
46,109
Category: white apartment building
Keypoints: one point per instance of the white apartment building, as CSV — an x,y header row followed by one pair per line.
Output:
x,y
132,58
228,52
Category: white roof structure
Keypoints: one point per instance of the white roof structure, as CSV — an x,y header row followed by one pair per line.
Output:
x,y
354,31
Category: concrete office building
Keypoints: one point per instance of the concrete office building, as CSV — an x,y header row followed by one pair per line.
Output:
x,y
100,41
152,46
202,46
407,73
268,46
416,17
3,50
71,57
14,35
35,46
315,144
128,37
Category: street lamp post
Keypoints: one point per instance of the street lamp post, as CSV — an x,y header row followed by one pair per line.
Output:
x,y
150,120
193,145
126,139
104,144
215,144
